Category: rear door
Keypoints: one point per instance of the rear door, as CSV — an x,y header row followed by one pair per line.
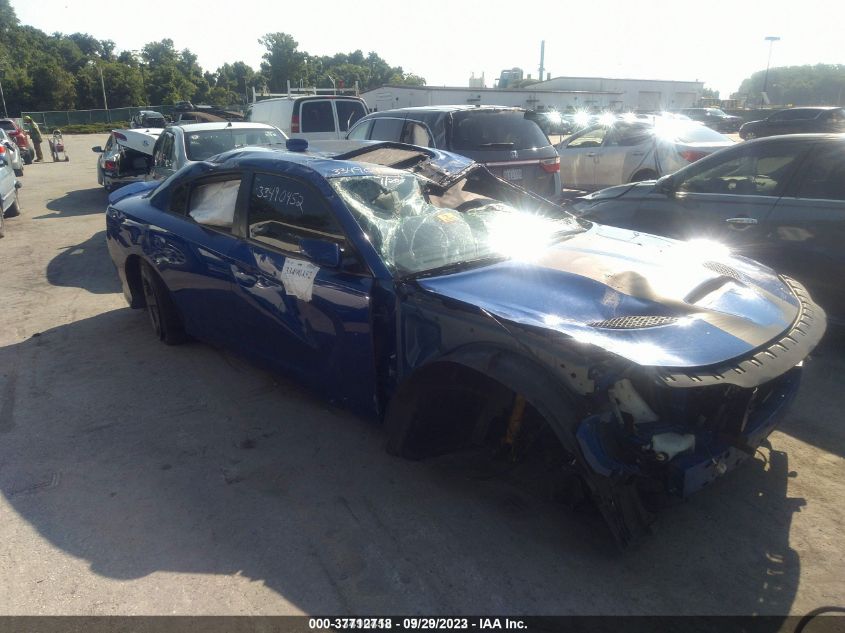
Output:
x,y
807,227
578,158
303,318
626,150
189,245
317,120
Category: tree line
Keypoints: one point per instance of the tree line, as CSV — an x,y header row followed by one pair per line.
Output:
x,y
819,84
63,72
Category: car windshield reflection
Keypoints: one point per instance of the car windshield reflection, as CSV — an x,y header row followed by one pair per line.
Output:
x,y
413,234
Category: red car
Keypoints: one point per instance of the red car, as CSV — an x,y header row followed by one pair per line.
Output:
x,y
19,135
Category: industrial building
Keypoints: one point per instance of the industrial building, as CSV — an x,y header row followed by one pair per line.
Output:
x,y
559,93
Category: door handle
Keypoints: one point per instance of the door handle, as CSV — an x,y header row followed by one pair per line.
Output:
x,y
637,153
591,154
742,222
244,278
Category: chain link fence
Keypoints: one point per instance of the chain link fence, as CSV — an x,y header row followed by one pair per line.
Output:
x,y
119,117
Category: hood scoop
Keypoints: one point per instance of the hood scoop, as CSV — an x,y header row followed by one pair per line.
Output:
x,y
633,322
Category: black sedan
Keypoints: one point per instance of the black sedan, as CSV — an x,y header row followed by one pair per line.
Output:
x,y
779,200
796,121
714,118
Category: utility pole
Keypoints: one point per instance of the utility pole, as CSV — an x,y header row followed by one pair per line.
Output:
x,y
3,72
771,39
103,86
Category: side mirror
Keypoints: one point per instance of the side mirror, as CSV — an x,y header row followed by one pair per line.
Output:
x,y
665,185
97,149
321,252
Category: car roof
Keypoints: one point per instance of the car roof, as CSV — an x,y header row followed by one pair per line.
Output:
x,y
452,108
816,136
220,125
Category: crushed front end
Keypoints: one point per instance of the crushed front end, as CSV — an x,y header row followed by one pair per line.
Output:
x,y
660,433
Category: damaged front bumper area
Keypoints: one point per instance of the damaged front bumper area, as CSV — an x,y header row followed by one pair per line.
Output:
x,y
659,433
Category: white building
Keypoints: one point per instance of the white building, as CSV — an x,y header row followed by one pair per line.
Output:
x,y
560,93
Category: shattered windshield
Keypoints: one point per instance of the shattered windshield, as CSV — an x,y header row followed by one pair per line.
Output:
x,y
415,232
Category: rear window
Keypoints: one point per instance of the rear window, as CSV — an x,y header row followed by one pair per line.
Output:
x,y
7,125
317,116
205,144
481,130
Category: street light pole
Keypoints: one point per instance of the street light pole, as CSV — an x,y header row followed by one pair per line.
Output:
x,y
771,39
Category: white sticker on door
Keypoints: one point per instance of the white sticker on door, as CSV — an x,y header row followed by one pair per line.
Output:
x,y
298,278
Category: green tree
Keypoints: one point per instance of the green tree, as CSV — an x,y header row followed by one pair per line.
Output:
x,y
282,61
821,84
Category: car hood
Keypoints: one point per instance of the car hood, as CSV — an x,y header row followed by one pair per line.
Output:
x,y
655,301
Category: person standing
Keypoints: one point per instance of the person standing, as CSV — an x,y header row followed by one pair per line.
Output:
x,y
35,133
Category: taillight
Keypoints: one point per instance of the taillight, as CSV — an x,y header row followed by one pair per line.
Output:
x,y
550,165
110,165
294,124
2,150
691,156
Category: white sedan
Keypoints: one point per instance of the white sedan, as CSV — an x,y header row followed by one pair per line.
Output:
x,y
12,153
604,155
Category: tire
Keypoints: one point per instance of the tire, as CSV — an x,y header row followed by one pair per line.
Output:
x,y
19,172
167,326
28,155
644,174
14,209
750,136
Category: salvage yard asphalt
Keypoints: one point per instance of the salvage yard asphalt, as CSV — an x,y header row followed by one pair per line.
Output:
x,y
137,478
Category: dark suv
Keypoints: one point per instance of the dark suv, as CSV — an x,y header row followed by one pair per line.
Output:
x,y
714,118
506,140
797,121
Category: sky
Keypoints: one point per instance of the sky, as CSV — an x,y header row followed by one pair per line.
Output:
x,y
717,42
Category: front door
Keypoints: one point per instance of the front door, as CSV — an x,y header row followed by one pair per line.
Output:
x,y
306,319
726,201
807,227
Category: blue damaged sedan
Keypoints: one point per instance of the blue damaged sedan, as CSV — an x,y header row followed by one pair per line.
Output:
x,y
414,286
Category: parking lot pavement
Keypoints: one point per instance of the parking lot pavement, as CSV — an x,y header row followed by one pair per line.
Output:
x,y
137,478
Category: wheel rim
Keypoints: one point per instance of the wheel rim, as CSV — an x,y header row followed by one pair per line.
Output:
x,y
152,306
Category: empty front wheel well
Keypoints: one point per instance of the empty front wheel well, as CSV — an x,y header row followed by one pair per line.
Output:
x,y
446,407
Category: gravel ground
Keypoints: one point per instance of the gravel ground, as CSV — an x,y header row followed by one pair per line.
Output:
x,y
141,479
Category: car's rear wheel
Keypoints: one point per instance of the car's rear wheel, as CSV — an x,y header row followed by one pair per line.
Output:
x,y
19,172
749,136
14,208
644,174
163,315
28,156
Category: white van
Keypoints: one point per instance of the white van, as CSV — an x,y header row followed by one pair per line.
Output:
x,y
314,117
